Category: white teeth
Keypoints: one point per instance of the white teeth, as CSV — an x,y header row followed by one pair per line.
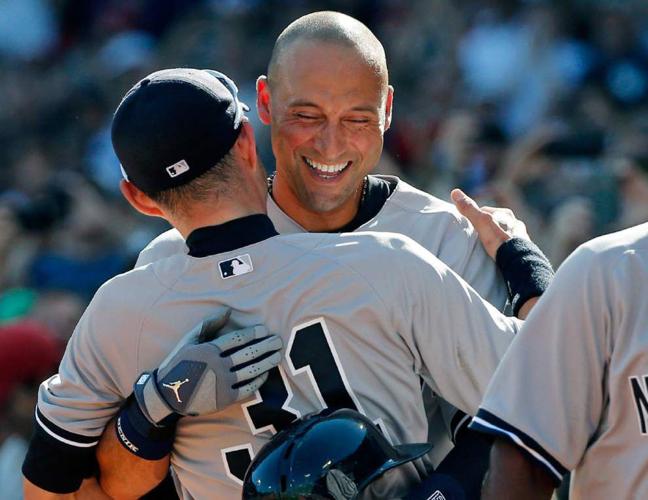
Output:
x,y
329,169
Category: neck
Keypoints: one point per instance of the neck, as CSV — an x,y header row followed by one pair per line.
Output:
x,y
203,216
313,221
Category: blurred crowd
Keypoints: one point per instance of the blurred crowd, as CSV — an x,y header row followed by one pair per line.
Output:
x,y
539,106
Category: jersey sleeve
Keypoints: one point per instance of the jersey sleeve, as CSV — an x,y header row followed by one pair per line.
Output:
x,y
456,337
461,250
94,378
547,395
165,245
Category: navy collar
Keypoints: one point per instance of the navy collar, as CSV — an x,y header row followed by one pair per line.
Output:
x,y
231,235
378,190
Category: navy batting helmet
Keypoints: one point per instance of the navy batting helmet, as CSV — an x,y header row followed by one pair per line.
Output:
x,y
330,455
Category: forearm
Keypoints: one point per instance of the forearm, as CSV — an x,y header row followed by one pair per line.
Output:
x,y
123,474
89,490
513,476
526,308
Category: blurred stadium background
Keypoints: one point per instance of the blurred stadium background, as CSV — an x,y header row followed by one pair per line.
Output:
x,y
540,106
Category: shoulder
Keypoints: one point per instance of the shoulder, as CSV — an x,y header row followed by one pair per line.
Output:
x,y
354,243
386,266
132,291
614,248
111,324
633,238
414,212
410,199
165,245
616,265
382,255
120,307
433,223
607,271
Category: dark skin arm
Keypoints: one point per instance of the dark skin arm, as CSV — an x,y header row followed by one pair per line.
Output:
x,y
124,475
513,476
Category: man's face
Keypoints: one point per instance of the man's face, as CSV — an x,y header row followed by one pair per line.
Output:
x,y
328,110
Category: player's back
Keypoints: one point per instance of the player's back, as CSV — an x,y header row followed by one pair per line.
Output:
x,y
618,445
573,387
341,350
363,318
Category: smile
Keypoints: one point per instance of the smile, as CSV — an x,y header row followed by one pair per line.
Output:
x,y
327,171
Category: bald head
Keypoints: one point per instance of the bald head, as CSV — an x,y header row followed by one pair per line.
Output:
x,y
331,28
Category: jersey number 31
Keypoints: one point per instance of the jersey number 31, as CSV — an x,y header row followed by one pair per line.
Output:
x,y
309,351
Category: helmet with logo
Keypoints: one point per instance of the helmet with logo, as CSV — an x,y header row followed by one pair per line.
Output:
x,y
329,455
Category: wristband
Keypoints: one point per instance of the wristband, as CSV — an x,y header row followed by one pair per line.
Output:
x,y
141,437
458,425
525,269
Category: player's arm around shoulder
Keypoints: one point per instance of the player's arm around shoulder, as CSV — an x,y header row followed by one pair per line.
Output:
x,y
75,405
123,474
435,313
134,450
457,337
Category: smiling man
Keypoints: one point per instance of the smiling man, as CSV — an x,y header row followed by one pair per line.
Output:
x,y
328,102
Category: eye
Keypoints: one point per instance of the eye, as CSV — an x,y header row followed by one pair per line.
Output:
x,y
358,120
306,116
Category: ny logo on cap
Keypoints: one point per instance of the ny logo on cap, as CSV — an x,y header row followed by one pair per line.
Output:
x,y
177,168
241,264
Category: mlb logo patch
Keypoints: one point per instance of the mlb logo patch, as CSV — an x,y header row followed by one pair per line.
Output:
x,y
177,168
241,264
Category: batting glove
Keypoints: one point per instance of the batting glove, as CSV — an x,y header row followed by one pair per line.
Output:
x,y
205,373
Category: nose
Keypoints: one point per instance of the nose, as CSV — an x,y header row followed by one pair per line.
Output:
x,y
330,141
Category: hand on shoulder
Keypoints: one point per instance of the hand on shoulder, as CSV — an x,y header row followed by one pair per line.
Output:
x,y
494,225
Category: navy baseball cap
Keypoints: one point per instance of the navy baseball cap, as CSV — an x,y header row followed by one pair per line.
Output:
x,y
174,125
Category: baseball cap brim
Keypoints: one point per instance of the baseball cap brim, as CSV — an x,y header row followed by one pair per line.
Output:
x,y
405,453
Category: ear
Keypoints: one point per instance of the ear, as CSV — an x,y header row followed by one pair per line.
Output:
x,y
139,200
263,99
245,145
388,106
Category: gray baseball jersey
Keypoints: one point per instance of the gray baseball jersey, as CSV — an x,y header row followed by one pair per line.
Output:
x,y
431,222
572,391
363,316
